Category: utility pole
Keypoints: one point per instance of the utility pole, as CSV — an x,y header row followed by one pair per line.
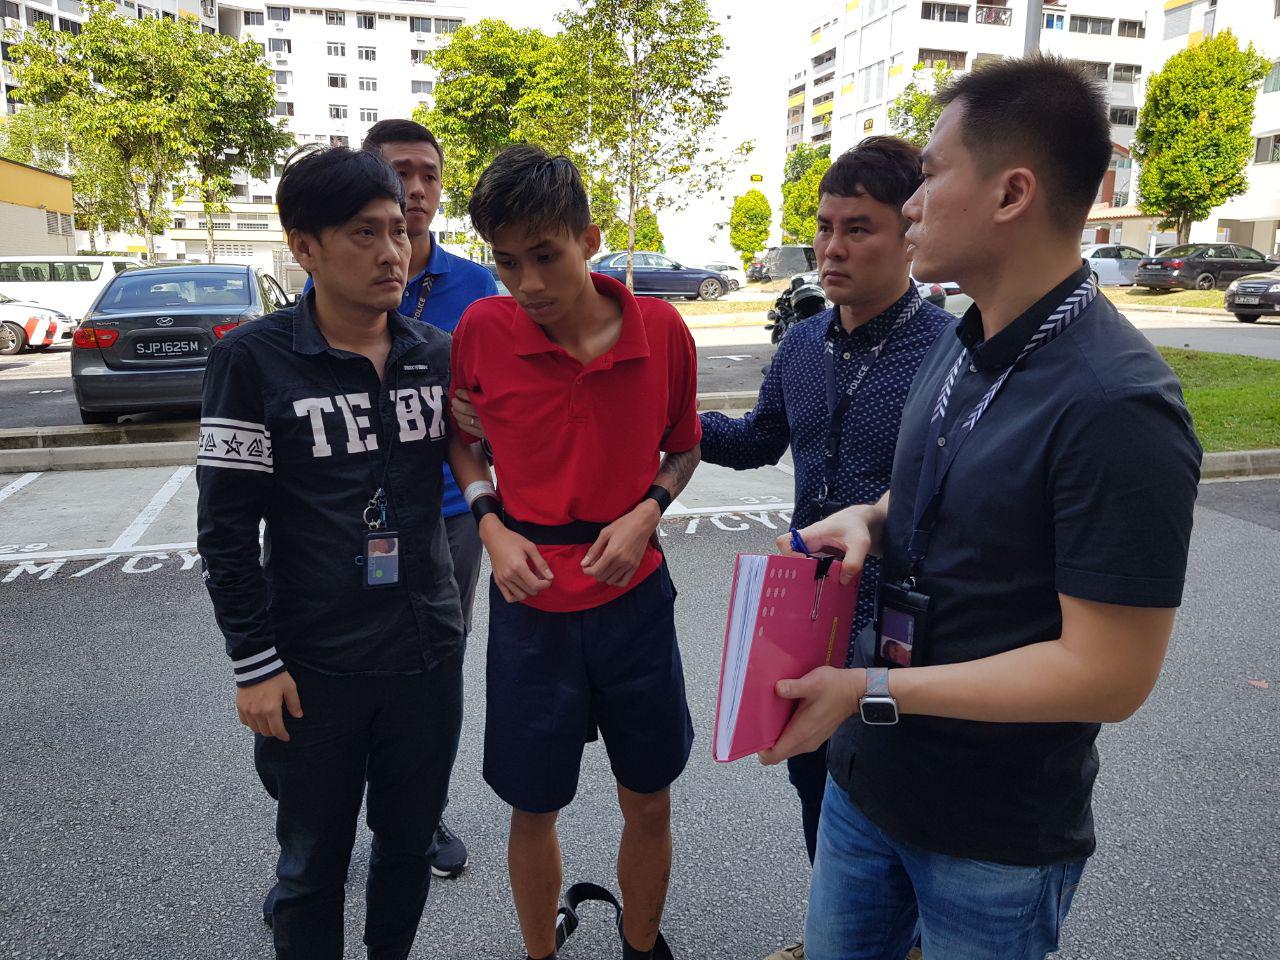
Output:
x,y
1035,20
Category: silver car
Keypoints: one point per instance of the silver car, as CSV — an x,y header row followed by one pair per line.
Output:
x,y
1113,264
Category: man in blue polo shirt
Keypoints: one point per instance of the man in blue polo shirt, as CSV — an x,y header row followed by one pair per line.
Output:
x,y
441,286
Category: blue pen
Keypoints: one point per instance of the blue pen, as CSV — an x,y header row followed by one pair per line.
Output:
x,y
797,543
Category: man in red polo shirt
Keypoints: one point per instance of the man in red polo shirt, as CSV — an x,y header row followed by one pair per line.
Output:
x,y
582,388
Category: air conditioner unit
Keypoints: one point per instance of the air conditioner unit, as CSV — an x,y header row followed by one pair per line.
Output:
x,y
420,37
280,57
209,8
279,27
12,23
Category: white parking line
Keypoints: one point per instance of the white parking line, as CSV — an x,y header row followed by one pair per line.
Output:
x,y
17,485
133,533
786,468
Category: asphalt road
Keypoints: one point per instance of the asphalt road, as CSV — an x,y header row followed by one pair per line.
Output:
x,y
134,827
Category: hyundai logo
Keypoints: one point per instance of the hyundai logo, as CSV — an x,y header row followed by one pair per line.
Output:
x,y
164,321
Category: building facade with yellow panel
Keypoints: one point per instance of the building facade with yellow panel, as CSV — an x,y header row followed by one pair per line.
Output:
x,y
35,208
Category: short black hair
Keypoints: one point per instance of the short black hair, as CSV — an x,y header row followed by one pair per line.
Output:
x,y
886,169
324,187
526,186
399,131
1044,109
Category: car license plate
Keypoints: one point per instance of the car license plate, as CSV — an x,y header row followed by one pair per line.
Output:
x,y
157,349
1248,299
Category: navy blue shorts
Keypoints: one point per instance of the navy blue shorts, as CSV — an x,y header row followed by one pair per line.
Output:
x,y
555,678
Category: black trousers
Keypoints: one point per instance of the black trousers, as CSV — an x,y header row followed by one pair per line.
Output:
x,y
398,734
808,774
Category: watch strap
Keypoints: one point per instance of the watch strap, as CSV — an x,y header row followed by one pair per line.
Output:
x,y
877,682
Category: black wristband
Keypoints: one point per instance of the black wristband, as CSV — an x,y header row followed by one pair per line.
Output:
x,y
483,506
659,494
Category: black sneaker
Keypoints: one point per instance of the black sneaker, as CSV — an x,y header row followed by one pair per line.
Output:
x,y
268,905
448,854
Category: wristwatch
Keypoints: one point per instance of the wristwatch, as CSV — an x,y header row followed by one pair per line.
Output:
x,y
877,707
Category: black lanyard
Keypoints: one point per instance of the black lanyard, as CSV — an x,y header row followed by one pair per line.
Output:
x,y
838,405
940,450
423,290
375,512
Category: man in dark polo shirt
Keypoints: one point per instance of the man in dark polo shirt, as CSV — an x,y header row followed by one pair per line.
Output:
x,y
1034,544
582,388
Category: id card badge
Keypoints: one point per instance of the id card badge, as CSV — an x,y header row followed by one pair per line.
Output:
x,y
381,558
902,625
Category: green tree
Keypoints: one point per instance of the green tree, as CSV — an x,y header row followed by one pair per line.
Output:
x,y
915,110
234,128
801,159
1194,137
37,135
648,233
749,224
125,86
800,203
650,68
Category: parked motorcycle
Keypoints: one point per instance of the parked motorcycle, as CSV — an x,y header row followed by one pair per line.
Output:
x,y
798,302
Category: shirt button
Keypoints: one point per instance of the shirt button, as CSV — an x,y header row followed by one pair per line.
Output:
x,y
973,368
942,441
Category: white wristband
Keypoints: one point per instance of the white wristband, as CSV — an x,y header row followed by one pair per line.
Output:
x,y
475,491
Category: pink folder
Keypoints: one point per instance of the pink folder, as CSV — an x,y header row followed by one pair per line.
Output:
x,y
787,615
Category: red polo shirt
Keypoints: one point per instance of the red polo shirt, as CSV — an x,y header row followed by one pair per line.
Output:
x,y
574,442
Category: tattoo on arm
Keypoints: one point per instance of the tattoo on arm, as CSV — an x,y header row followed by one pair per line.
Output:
x,y
676,470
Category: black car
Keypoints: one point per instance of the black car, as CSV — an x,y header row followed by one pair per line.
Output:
x,y
657,276
1254,296
1200,266
144,343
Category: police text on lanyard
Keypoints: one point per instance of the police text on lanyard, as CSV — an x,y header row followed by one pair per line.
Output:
x,y
940,450
838,406
424,289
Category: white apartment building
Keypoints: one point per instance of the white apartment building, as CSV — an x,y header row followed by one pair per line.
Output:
x,y
1253,218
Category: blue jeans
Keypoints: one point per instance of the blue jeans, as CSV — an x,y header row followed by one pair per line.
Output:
x,y
869,890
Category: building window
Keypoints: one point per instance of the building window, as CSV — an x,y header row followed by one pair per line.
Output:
x,y
422,86
870,83
4,49
1126,73
253,18
337,49
11,9
335,18
1272,83
369,84
1135,28
282,77
447,24
1091,25
337,111
367,53
72,27
337,140
417,56
38,16
284,108
1267,149
366,21
952,59
338,80
419,24
944,12
1054,21
1124,116
996,14
263,198
279,45
277,13
368,115
825,98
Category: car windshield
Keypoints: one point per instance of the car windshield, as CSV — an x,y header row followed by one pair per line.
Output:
x,y
146,291
1186,250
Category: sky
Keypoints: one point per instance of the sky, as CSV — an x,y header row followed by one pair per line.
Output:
x,y
762,47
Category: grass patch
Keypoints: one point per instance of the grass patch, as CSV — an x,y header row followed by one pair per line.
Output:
x,y
1234,400
706,308
1145,297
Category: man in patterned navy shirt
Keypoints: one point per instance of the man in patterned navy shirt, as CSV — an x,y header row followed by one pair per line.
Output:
x,y
835,390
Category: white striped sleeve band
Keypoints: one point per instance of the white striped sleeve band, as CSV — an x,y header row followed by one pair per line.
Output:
x,y
235,444
260,666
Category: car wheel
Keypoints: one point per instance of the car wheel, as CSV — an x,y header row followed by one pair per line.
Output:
x,y
710,289
1093,275
1206,281
1247,317
12,339
733,285
93,416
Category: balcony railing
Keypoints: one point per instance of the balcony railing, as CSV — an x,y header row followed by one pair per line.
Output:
x,y
1000,16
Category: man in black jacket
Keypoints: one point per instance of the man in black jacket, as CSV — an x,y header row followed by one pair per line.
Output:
x,y
327,421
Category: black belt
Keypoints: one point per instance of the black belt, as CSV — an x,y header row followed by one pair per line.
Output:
x,y
569,534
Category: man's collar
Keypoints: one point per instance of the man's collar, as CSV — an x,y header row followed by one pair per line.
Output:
x,y
307,338
438,261
1002,350
879,326
530,339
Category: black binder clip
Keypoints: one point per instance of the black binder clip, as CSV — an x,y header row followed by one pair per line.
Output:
x,y
820,575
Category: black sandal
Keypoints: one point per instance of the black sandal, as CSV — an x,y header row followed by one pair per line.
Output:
x,y
567,920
